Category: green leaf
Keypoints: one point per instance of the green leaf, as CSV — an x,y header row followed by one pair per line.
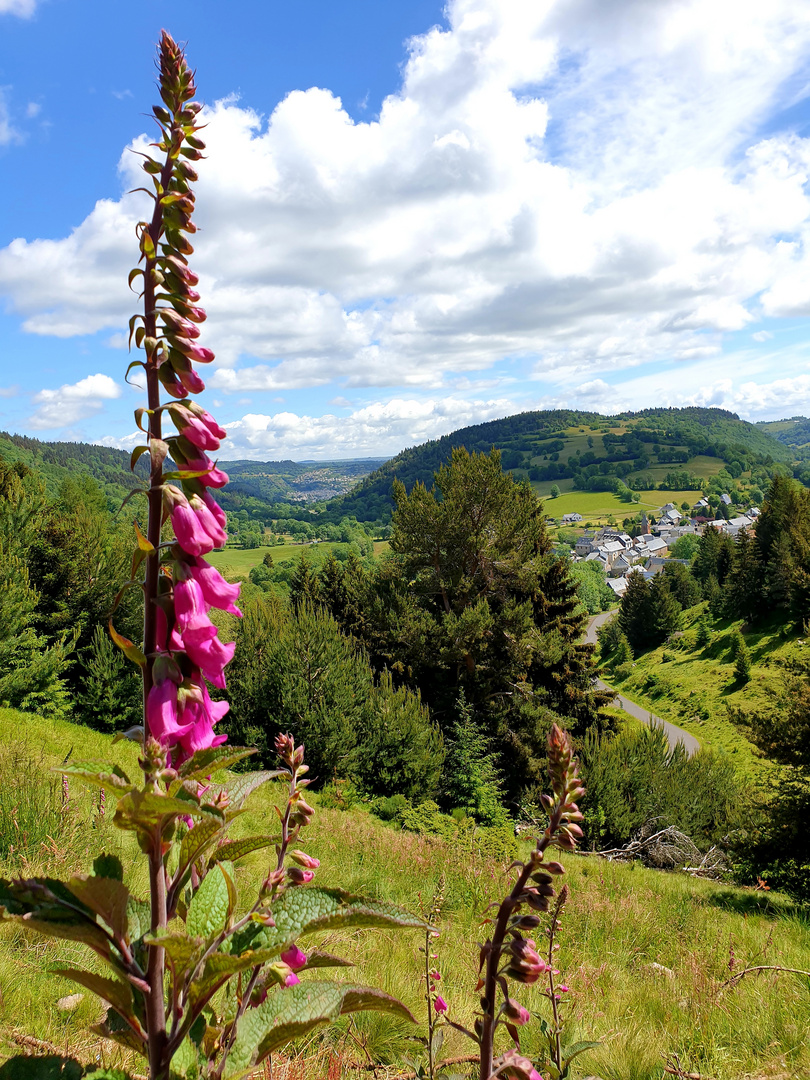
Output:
x,y
101,774
318,959
185,1059
195,842
137,453
106,897
127,647
241,786
201,764
237,849
290,1013
211,905
305,910
116,993
47,907
108,866
577,1048
42,1068
107,1074
142,811
139,918
181,950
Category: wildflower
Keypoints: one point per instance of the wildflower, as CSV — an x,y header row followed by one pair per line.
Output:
x,y
440,1005
294,957
307,861
516,1014
216,591
297,876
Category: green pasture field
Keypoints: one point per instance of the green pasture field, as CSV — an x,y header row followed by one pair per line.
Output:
x,y
693,687
646,954
596,506
235,563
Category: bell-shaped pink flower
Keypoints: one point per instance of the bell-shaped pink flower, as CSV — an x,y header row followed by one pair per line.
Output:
x,y
215,589
292,979
211,517
211,657
191,610
162,716
294,957
193,428
197,353
208,420
191,533
217,512
440,1005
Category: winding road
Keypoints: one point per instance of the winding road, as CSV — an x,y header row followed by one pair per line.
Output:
x,y
674,734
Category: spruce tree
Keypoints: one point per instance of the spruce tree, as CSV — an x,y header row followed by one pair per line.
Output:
x,y
634,612
743,591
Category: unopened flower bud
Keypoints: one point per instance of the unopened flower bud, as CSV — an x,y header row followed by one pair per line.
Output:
x,y
515,1013
297,876
307,861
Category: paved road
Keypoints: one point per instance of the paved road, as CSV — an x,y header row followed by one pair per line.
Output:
x,y
674,734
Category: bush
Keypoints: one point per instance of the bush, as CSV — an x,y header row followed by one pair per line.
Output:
x,y
634,778
389,807
426,819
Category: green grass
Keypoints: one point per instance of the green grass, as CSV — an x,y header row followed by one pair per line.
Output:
x,y
235,563
695,687
597,506
620,921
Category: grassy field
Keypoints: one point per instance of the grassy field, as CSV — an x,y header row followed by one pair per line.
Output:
x,y
235,563
597,506
693,687
645,954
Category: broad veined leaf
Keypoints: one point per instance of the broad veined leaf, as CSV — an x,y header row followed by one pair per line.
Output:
x,y
181,950
237,849
42,1068
318,959
105,896
101,774
290,1013
115,1028
127,647
193,846
241,786
139,918
211,904
116,993
201,764
141,811
308,909
47,907
185,1059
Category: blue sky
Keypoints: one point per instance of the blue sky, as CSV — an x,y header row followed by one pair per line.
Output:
x,y
415,217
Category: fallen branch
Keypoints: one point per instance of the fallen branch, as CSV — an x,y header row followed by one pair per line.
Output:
x,y
759,968
668,849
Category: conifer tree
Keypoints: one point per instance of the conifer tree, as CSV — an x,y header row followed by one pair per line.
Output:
x,y
303,584
744,585
634,612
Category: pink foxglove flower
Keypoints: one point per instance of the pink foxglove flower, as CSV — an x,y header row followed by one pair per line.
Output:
x,y
211,657
294,957
217,592
162,713
191,610
440,1005
307,861
298,876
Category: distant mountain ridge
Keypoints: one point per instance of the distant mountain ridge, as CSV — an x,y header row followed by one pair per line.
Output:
x,y
560,445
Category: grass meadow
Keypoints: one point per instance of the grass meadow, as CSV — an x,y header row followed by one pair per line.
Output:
x,y
598,506
693,687
645,954
235,563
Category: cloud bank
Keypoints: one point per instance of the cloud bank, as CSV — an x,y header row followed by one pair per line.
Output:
x,y
578,188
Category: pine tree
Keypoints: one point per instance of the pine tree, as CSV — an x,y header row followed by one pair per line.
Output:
x,y
634,612
704,633
664,610
470,780
743,591
742,665
110,695
303,584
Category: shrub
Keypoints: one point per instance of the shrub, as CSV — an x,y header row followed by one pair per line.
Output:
x,y
389,807
635,778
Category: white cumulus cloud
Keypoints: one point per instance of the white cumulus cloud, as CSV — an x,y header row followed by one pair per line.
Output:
x,y
574,186
72,402
23,8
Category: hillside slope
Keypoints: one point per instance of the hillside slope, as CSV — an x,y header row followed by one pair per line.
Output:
x,y
645,954
576,449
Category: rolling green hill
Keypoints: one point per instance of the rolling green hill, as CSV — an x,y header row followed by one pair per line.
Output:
x,y
668,449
